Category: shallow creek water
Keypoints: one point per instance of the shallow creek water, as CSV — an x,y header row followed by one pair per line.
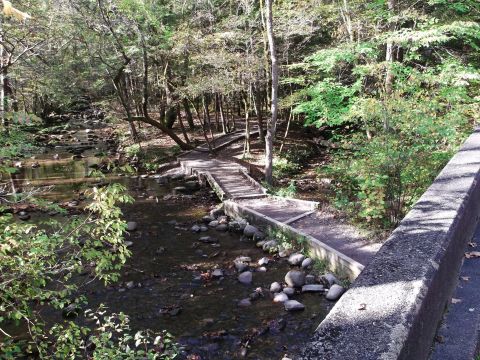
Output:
x,y
165,266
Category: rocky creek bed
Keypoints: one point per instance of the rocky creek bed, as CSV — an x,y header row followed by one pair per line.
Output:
x,y
220,286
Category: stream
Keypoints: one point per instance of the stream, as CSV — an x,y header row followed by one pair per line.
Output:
x,y
162,286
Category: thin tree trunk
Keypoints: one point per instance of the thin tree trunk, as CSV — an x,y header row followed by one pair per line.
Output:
x,y
202,124
272,124
179,116
258,111
222,115
188,114
290,118
217,122
2,79
246,148
207,118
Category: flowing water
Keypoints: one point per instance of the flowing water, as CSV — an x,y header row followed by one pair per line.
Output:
x,y
161,287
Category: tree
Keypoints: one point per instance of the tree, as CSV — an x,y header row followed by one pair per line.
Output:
x,y
272,122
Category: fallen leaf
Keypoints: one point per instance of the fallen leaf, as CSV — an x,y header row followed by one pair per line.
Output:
x,y
472,254
465,278
456,301
362,307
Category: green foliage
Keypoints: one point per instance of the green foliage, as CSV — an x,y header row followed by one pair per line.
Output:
x,y
382,179
37,263
110,339
16,143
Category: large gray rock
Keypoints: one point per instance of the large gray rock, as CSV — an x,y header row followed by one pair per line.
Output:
x,y
245,303
263,261
132,226
213,224
296,259
280,297
329,279
245,278
241,266
312,288
293,305
195,229
307,263
270,246
289,291
208,219
217,273
237,226
335,292
275,287
250,231
295,278
222,227
208,240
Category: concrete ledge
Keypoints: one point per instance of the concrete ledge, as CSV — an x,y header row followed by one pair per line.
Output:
x,y
393,309
337,261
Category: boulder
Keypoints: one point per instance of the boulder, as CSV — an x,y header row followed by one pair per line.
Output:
x,y
222,227
293,305
307,263
329,279
207,240
217,273
241,266
295,278
132,226
280,297
208,219
296,259
213,224
263,261
245,303
245,278
335,292
23,215
250,231
195,228
275,287
312,288
289,291
270,246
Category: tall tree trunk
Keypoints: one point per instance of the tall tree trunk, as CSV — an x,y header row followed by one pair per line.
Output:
x,y
202,124
179,116
272,124
2,78
207,118
389,56
222,115
246,148
258,111
217,122
188,114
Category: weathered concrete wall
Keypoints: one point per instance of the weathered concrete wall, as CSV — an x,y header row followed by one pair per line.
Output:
x,y
394,307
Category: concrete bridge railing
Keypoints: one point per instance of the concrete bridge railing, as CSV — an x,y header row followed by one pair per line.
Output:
x,y
394,307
